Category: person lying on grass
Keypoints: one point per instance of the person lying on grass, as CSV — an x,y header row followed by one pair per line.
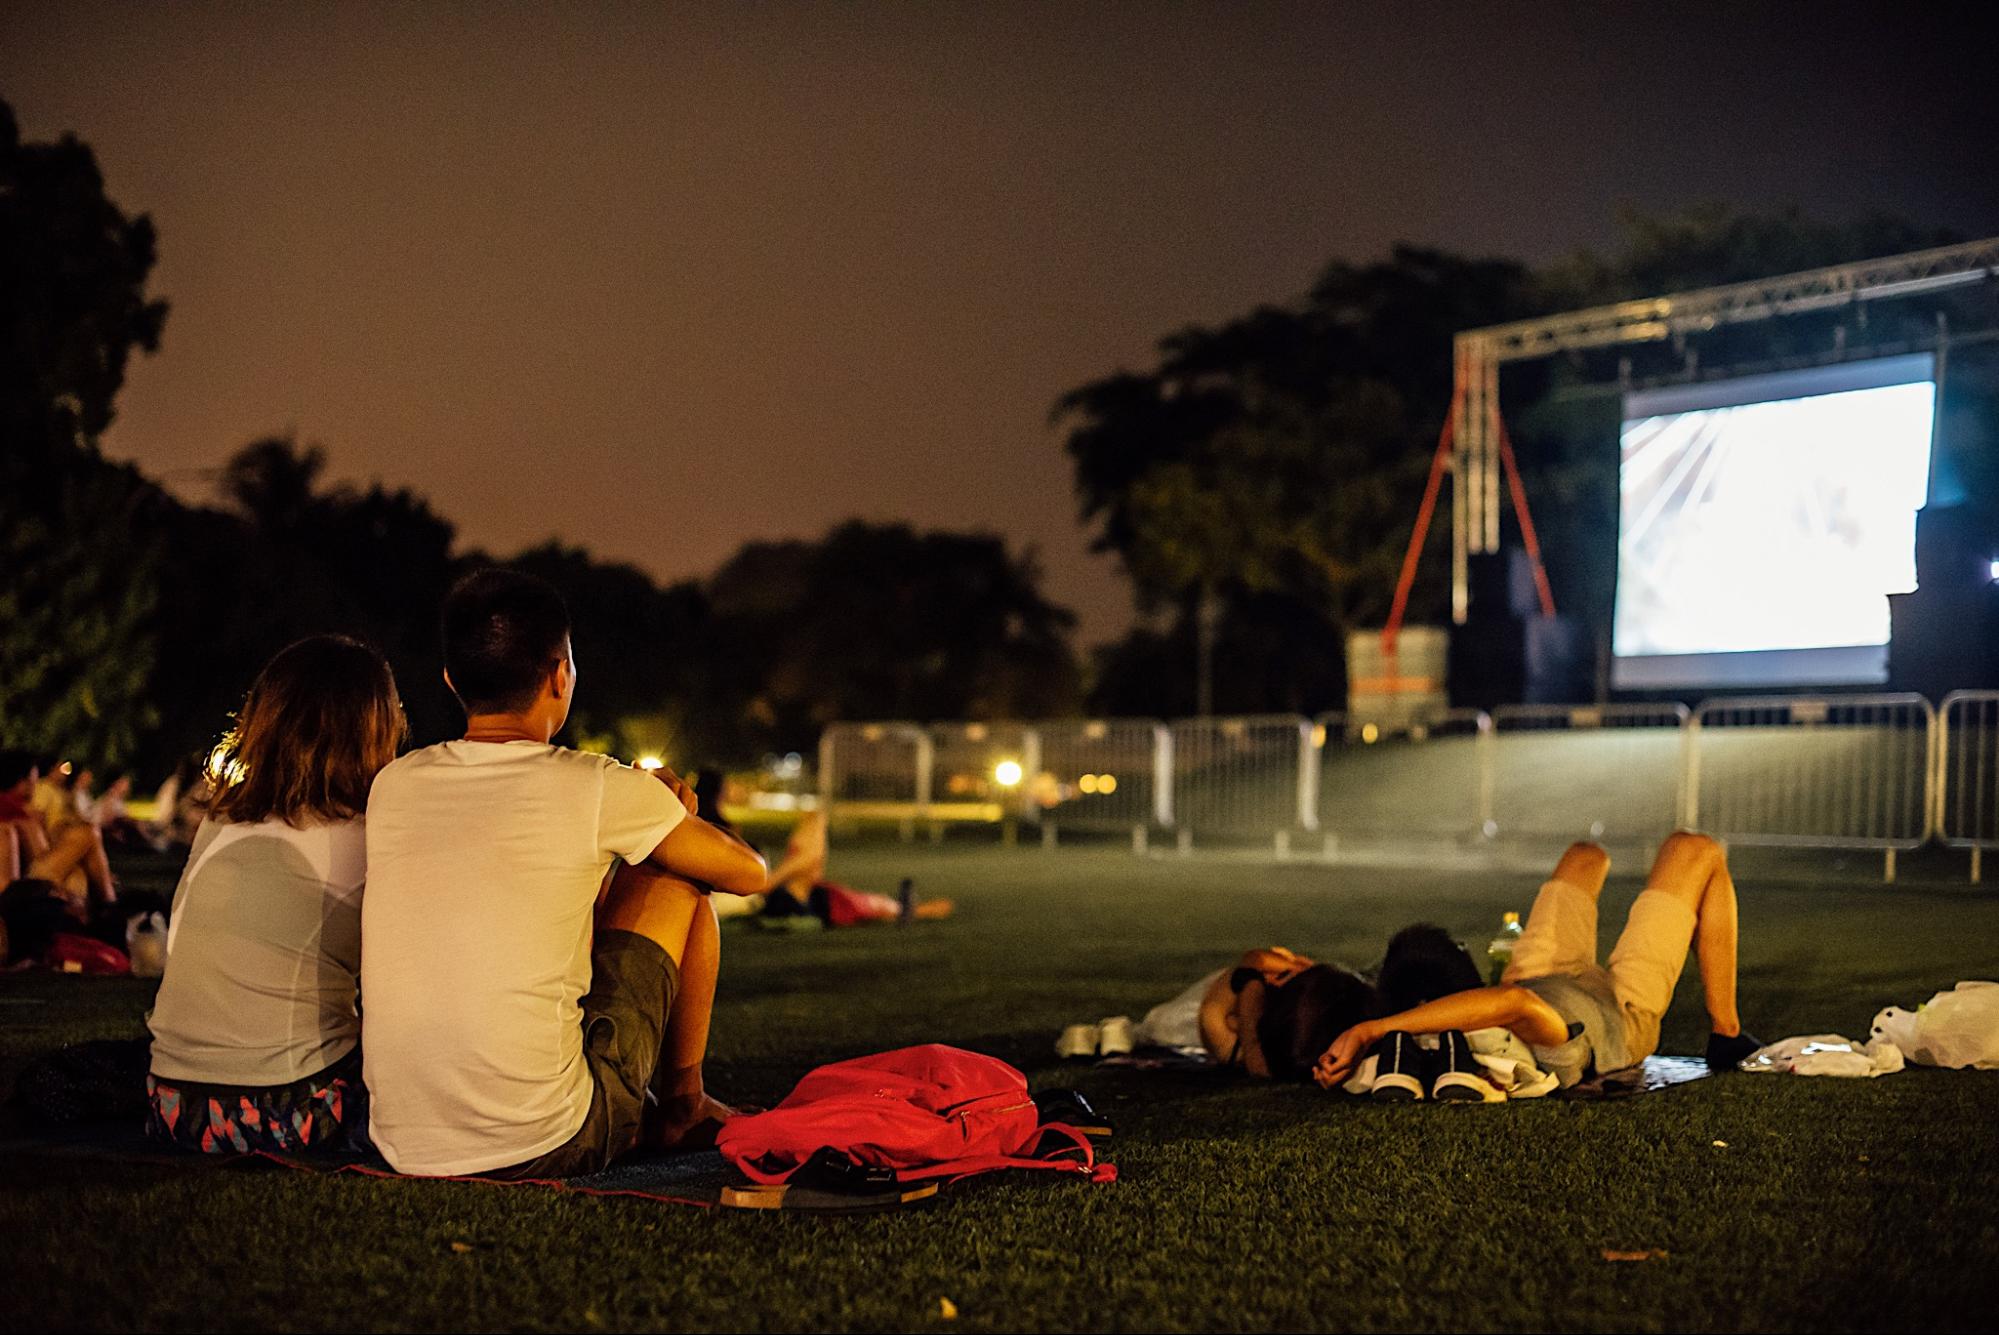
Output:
x,y
1276,1010
798,886
256,1030
1581,1020
538,951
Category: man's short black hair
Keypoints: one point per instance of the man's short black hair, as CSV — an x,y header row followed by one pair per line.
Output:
x,y
503,630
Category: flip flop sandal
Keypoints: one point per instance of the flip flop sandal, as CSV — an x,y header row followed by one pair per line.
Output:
x,y
1072,1110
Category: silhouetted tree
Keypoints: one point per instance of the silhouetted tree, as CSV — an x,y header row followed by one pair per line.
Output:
x,y
75,542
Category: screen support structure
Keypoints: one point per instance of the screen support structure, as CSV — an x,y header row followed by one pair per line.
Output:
x,y
1476,435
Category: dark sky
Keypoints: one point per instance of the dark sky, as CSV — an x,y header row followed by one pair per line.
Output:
x,y
660,279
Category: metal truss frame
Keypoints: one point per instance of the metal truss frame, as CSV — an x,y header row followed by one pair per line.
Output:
x,y
1478,434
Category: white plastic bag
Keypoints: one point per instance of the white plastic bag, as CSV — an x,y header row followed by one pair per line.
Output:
x,y
1955,1028
1826,1054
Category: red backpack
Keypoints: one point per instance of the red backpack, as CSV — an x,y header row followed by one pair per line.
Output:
x,y
924,1112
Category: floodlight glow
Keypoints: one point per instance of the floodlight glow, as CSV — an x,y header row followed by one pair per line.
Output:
x,y
1107,783
1007,773
1088,783
1369,733
650,762
1995,572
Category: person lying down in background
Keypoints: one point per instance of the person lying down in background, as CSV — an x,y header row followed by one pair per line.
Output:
x,y
1275,1010
797,892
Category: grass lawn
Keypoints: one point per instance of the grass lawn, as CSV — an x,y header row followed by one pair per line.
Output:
x,y
1832,1205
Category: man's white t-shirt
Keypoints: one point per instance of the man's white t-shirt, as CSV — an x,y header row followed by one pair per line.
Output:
x,y
484,863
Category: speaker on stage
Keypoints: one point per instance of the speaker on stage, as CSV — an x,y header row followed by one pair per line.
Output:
x,y
1944,637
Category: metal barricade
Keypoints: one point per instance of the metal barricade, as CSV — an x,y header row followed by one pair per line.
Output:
x,y
1425,782
1850,771
1967,811
1611,773
1102,775
875,769
1252,777
983,762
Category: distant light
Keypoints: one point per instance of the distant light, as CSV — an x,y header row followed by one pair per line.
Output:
x,y
1319,735
1995,570
1088,783
651,762
1007,773
1095,730
1107,783
1369,733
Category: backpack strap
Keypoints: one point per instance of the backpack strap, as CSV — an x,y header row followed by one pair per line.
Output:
x,y
955,1169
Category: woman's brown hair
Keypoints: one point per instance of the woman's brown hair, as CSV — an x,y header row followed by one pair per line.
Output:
x,y
320,722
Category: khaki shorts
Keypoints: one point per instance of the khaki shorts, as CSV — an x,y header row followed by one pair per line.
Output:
x,y
1560,938
632,985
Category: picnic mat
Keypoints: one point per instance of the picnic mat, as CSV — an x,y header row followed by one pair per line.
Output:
x,y
699,1179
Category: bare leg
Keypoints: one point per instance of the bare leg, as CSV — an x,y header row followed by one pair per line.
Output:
x,y
1694,869
77,849
1585,866
680,919
804,863
685,1109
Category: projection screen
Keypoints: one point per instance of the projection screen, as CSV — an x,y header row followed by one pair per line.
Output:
x,y
1763,523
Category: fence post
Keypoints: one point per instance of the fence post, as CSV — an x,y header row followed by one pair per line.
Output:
x,y
1690,777
1308,775
1162,775
1483,744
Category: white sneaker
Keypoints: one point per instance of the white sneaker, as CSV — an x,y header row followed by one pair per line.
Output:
x,y
1078,1040
1115,1036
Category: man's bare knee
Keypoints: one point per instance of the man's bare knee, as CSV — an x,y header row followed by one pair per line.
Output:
x,y
1584,865
1685,862
653,904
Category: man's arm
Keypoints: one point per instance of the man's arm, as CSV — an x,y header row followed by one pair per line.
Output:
x,y
694,850
1508,1006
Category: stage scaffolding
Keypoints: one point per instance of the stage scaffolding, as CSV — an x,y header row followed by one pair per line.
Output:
x,y
1475,435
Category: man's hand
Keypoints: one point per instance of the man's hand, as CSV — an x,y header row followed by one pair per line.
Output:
x,y
680,788
1336,1063
1277,965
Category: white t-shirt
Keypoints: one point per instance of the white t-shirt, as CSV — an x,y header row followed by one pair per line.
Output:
x,y
262,955
484,863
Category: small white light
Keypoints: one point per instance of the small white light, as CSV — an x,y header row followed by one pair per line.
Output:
x,y
651,763
1995,570
1007,773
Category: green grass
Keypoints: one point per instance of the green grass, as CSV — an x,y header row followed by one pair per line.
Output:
x,y
1835,1205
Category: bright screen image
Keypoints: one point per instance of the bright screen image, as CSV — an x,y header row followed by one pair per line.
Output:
x,y
1764,522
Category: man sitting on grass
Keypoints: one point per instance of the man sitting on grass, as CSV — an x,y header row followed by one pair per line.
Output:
x,y
527,1011
1582,1020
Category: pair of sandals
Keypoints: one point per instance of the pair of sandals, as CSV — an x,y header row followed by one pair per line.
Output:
x,y
1406,1072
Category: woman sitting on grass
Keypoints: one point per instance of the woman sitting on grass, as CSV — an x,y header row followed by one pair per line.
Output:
x,y
256,1031
1579,1019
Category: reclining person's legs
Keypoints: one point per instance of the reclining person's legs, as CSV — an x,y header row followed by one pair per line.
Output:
x,y
1688,900
1560,935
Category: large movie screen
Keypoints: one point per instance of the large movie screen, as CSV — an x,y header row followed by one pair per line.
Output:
x,y
1765,521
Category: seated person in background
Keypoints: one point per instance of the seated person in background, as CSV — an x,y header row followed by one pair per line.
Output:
x,y
538,952
50,842
256,1031
1582,1020
798,886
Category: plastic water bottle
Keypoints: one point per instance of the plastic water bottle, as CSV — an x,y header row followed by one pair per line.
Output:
x,y
905,900
146,943
1499,953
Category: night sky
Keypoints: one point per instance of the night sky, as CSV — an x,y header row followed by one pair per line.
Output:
x,y
661,279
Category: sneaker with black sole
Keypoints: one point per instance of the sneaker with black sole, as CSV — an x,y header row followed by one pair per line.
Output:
x,y
1456,1077
1725,1052
1401,1069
